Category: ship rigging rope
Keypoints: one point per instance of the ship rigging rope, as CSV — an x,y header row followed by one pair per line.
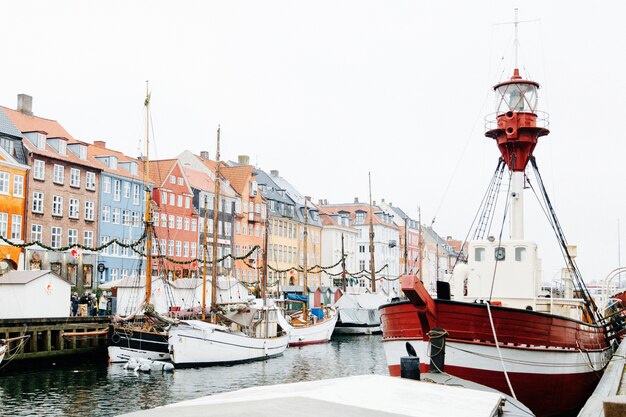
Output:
x,y
590,305
506,210
493,329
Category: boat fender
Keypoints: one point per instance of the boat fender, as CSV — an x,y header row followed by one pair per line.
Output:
x,y
115,338
144,367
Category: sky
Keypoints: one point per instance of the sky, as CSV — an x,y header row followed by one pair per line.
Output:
x,y
327,91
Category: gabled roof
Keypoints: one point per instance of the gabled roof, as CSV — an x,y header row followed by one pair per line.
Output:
x,y
7,127
160,170
27,123
98,151
202,181
238,176
353,208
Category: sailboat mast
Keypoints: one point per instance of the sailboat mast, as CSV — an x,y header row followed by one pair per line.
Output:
x,y
215,234
147,215
265,266
204,253
406,244
420,241
372,265
343,266
306,252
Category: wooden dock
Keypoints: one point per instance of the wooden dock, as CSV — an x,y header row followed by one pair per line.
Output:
x,y
52,339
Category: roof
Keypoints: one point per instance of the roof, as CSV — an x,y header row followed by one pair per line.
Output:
x,y
238,176
27,123
160,170
7,127
202,181
351,209
24,277
97,151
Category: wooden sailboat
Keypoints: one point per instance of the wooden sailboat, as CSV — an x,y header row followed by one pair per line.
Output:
x,y
305,329
234,334
148,339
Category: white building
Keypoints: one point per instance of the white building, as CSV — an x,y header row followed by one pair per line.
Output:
x,y
34,294
334,227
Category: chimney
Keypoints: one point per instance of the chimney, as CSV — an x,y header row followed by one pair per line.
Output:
x,y
204,154
382,200
373,202
274,173
356,199
100,143
25,104
308,197
243,160
390,204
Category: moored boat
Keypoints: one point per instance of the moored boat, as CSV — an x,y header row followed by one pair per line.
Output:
x,y
305,329
502,329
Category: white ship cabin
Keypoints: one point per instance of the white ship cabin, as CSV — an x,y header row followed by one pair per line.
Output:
x,y
514,268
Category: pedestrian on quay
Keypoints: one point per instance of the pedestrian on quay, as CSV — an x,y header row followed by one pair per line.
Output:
x,y
93,305
82,304
102,305
74,300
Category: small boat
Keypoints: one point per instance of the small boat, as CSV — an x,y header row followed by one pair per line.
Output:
x,y
253,334
307,328
146,365
358,313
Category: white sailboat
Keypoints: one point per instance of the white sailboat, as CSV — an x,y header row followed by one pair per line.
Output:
x,y
234,334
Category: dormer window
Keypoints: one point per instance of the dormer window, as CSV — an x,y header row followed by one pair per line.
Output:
x,y
113,162
41,141
62,147
360,217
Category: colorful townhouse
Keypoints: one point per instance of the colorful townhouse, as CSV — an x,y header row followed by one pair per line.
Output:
x,y
283,232
314,231
338,238
409,238
386,237
63,197
250,217
121,214
13,177
203,186
174,218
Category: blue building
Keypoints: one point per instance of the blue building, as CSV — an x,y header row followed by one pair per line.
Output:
x,y
122,207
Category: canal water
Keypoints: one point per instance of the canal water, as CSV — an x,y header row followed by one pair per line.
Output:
x,y
98,389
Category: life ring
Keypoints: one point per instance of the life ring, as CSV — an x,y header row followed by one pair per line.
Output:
x,y
115,338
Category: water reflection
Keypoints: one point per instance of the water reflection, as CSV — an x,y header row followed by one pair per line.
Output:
x,y
101,390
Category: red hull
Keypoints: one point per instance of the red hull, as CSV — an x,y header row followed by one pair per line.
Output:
x,y
312,342
557,392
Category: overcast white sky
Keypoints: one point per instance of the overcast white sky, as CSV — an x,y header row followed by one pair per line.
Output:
x,y
325,91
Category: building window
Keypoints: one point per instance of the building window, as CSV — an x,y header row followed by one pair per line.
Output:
x,y
16,226
124,273
18,186
361,248
62,147
75,177
88,238
4,224
178,248
114,249
58,174
179,222
126,250
163,220
163,246
193,225
180,181
180,201
186,249
55,241
170,248
126,217
172,179
39,170
193,249
126,189
187,202
89,210
164,197
103,241
172,199
57,205
90,179
115,217
4,182
135,194
114,272
72,237
36,232
135,218
106,214
186,226
171,221
106,185
74,208
117,190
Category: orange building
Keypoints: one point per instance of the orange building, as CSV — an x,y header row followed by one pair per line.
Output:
x,y
250,217
12,195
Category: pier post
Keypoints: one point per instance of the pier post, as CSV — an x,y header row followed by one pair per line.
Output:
x,y
437,349
410,367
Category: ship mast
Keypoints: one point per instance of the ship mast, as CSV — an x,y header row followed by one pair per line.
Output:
x,y
306,253
372,266
204,253
420,242
148,215
343,266
215,228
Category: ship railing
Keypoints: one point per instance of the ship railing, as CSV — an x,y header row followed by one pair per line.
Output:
x,y
491,120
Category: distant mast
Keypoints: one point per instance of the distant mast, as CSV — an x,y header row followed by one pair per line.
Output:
x,y
372,265
215,228
305,248
147,215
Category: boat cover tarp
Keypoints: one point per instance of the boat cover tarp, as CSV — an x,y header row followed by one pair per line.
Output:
x,y
360,308
318,312
297,297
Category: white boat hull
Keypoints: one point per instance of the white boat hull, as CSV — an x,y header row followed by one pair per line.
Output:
x,y
118,354
315,333
3,349
196,343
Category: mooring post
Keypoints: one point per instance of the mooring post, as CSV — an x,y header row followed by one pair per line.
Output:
x,y
410,367
437,349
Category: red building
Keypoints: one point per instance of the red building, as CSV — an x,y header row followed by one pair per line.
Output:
x,y
175,219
